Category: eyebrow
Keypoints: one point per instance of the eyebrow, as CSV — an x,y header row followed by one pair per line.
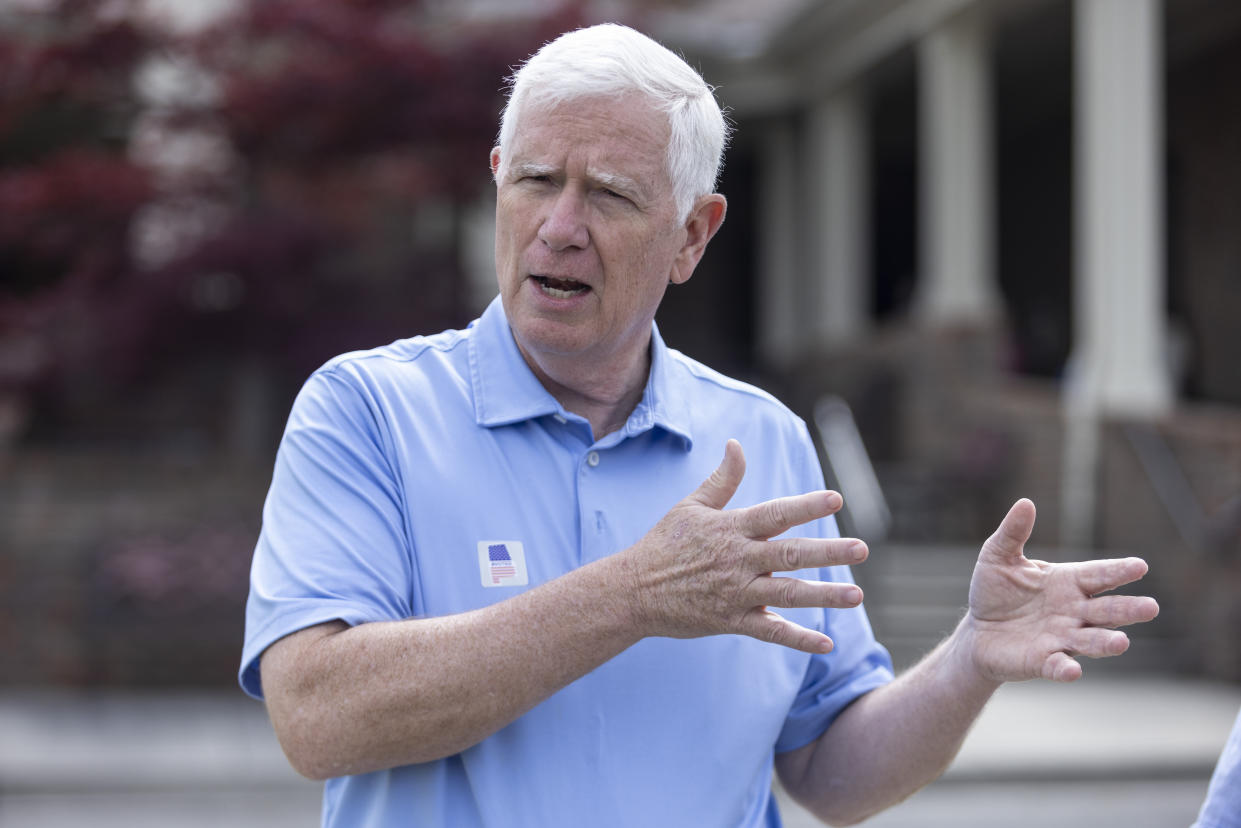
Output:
x,y
521,169
622,184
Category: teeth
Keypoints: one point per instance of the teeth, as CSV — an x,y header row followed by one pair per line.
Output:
x,y
555,292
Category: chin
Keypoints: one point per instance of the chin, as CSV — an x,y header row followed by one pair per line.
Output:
x,y
551,337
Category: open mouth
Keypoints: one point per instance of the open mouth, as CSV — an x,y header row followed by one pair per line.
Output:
x,y
560,288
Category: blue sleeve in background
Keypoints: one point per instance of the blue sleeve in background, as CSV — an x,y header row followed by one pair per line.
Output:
x,y
1222,808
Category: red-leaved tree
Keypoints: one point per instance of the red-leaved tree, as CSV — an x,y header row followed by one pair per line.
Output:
x,y
68,195
291,192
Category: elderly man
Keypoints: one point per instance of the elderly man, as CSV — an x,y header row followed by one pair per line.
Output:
x,y
497,583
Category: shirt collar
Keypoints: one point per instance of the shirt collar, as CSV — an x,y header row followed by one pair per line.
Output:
x,y
506,391
662,404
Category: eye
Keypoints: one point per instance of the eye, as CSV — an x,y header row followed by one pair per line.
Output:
x,y
613,195
532,178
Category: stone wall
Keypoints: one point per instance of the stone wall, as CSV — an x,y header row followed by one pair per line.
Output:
x,y
120,568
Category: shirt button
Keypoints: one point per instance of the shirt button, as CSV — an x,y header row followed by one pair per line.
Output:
x,y
593,458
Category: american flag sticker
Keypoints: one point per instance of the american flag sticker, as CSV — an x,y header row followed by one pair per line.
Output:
x,y
502,563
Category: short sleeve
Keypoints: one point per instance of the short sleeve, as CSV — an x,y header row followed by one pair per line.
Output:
x,y
334,545
1222,806
857,665
833,681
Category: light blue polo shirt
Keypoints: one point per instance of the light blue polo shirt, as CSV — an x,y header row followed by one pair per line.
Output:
x,y
436,475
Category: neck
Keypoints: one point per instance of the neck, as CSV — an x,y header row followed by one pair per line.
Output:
x,y
604,394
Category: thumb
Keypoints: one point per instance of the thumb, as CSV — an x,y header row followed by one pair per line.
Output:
x,y
1009,540
719,488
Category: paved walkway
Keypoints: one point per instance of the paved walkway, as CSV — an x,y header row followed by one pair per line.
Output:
x,y
1141,750
171,759
1122,751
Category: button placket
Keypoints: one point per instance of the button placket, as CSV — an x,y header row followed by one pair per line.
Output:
x,y
594,527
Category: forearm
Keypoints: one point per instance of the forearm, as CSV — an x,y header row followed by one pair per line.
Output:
x,y
894,740
351,700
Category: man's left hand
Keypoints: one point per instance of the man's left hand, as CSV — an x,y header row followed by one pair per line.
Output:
x,y
1031,619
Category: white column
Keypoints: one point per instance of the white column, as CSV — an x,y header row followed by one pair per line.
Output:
x,y
838,166
956,203
1119,362
477,250
781,334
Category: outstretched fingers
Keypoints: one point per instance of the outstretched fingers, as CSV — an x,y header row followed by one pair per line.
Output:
x,y
773,517
1120,610
773,628
1091,642
794,592
1009,539
764,520
1099,576
789,554
719,488
1098,638
1060,667
1097,642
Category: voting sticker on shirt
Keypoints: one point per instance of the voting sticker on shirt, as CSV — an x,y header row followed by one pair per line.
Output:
x,y
502,563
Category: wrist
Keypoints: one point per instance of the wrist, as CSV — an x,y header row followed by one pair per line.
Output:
x,y
619,596
965,656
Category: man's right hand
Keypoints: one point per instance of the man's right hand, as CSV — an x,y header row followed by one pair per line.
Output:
x,y
347,700
705,571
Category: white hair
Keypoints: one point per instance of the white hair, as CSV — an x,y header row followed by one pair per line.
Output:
x,y
610,59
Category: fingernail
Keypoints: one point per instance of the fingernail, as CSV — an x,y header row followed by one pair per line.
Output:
x,y
853,596
858,552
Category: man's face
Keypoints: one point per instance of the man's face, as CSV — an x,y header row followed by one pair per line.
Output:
x,y
587,234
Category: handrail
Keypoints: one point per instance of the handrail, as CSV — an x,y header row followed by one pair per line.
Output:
x,y
850,466
1171,486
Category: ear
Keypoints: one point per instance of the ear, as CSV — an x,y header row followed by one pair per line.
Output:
x,y
703,222
495,162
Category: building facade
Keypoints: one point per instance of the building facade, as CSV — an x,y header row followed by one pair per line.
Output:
x,y
1005,232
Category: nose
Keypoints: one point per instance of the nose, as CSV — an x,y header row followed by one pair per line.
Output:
x,y
564,225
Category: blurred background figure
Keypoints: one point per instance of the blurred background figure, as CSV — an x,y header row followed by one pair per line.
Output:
x,y
1002,233
1222,807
